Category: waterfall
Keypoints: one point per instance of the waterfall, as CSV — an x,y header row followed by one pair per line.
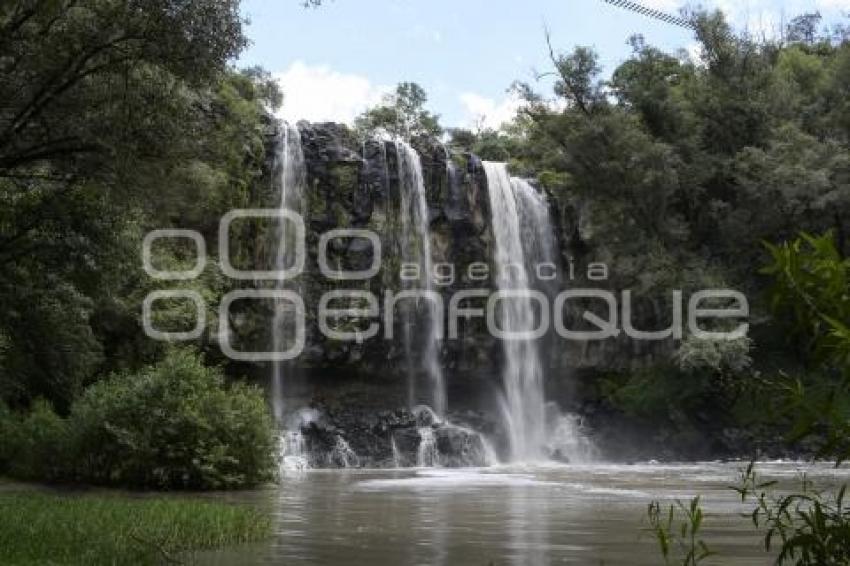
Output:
x,y
427,456
525,239
415,248
342,455
292,181
396,453
523,404
293,455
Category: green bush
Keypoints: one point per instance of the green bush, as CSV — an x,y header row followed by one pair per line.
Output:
x,y
38,444
173,425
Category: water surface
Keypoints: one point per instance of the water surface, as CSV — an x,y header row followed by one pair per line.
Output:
x,y
591,514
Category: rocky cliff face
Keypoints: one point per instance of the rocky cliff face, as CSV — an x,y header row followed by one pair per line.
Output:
x,y
354,185
361,389
358,186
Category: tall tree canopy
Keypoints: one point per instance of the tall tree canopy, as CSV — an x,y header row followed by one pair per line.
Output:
x,y
117,116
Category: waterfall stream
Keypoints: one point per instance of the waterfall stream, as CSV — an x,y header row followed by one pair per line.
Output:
x,y
292,181
525,244
415,248
523,405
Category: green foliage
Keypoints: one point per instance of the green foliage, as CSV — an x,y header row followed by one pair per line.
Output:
x,y
118,117
716,356
39,445
170,425
73,71
52,347
807,527
695,160
811,527
401,115
38,528
654,394
811,286
804,28
706,377
674,171
679,537
173,425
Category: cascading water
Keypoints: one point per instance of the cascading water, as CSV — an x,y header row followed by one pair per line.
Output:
x,y
415,248
523,405
442,443
293,453
292,180
427,456
524,239
342,455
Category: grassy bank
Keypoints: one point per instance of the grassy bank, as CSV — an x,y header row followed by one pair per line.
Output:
x,y
39,528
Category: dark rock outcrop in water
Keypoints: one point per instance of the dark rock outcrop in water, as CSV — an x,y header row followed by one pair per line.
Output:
x,y
389,439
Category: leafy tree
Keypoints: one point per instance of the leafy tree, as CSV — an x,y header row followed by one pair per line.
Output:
x,y
401,115
118,117
75,74
804,28
675,171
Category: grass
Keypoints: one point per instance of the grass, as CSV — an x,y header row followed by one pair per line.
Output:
x,y
39,528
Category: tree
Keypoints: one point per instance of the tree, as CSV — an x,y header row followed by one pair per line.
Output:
x,y
117,117
73,72
401,115
804,28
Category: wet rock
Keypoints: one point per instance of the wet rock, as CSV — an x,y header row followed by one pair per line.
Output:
x,y
407,446
459,447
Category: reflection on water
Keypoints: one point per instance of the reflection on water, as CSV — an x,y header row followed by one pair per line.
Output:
x,y
589,514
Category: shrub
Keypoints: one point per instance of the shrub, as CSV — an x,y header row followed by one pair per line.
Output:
x,y
808,528
173,425
38,444
716,356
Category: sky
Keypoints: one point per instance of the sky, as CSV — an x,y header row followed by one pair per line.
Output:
x,y
336,60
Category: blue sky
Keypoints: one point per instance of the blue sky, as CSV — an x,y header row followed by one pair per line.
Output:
x,y
336,60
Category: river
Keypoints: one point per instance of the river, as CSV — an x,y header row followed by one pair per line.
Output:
x,y
558,514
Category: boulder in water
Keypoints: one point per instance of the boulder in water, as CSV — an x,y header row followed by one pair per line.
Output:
x,y
460,447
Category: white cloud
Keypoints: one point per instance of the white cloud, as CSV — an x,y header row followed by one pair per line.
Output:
x,y
318,93
489,112
833,4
